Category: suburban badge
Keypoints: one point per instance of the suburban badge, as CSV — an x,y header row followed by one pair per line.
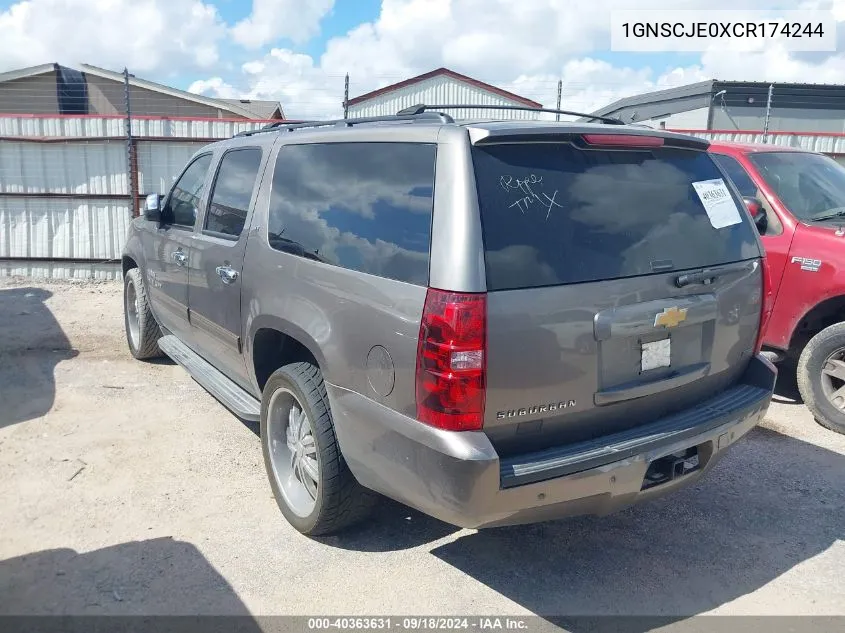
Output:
x,y
534,410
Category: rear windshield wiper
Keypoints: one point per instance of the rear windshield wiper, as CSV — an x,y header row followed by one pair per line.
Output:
x,y
705,277
837,213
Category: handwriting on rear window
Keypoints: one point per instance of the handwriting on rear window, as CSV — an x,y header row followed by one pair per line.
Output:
x,y
529,192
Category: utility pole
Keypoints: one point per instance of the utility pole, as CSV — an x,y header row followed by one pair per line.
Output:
x,y
768,113
559,91
346,97
131,170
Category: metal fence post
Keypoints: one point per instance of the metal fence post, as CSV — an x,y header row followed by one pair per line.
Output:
x,y
559,91
346,97
131,159
768,113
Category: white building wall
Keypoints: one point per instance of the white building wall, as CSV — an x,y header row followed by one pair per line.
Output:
x,y
823,143
160,163
43,157
94,167
63,126
60,270
40,228
438,91
689,120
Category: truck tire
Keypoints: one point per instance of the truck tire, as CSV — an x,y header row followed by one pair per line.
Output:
x,y
142,330
311,482
821,377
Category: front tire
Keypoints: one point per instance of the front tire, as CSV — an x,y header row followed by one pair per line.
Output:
x,y
311,482
142,330
821,377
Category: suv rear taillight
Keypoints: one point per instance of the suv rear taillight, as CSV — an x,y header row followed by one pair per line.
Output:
x,y
766,304
451,360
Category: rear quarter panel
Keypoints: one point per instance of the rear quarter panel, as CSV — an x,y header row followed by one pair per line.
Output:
x,y
362,329
340,316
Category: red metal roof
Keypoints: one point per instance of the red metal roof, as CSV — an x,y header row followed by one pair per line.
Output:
x,y
447,73
751,148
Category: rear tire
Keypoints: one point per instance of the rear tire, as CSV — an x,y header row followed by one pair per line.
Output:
x,y
821,377
311,482
142,330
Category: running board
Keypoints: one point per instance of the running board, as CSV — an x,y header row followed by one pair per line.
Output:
x,y
216,383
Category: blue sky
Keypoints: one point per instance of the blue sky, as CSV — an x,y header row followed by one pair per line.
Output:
x,y
344,16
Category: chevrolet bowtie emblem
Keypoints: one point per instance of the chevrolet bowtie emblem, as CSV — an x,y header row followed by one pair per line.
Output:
x,y
670,317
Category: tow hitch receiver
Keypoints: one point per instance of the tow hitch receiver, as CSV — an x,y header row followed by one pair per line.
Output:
x,y
665,469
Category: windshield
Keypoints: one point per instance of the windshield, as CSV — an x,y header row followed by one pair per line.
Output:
x,y
812,186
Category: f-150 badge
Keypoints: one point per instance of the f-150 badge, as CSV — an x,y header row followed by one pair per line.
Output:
x,y
810,265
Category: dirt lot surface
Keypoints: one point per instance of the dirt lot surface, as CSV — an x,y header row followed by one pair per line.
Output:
x,y
127,489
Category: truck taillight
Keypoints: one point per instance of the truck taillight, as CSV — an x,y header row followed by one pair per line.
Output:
x,y
766,304
451,360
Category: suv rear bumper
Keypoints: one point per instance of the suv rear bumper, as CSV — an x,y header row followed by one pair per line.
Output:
x,y
459,478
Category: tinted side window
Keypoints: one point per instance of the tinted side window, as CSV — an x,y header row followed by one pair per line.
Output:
x,y
363,206
232,191
737,173
182,205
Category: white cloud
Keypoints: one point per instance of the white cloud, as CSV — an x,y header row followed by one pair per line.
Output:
x,y
524,47
271,20
144,35
774,64
304,89
215,87
521,47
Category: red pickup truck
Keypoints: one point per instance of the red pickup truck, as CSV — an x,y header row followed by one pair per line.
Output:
x,y
797,199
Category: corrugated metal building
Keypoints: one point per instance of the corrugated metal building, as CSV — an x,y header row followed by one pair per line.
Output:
x,y
438,87
737,106
831,144
66,186
57,89
69,197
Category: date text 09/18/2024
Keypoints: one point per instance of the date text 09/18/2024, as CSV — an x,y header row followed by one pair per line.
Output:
x,y
418,623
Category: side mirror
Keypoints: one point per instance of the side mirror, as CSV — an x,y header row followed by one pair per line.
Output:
x,y
152,207
758,213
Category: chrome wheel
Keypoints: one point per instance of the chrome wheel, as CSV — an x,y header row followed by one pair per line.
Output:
x,y
833,379
293,452
133,309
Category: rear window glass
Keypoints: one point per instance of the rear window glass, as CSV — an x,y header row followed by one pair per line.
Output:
x,y
555,214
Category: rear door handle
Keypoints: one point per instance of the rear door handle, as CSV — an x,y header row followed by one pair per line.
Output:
x,y
228,274
180,258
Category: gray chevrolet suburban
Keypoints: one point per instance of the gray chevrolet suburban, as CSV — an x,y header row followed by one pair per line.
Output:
x,y
494,322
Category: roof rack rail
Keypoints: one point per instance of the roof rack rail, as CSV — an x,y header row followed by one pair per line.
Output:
x,y
290,127
421,108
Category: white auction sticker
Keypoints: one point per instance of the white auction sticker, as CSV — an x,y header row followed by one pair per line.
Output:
x,y
717,201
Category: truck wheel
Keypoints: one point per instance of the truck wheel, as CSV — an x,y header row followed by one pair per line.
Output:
x,y
310,479
142,330
821,377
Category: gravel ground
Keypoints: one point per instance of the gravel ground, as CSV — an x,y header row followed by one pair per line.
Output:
x,y
130,490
